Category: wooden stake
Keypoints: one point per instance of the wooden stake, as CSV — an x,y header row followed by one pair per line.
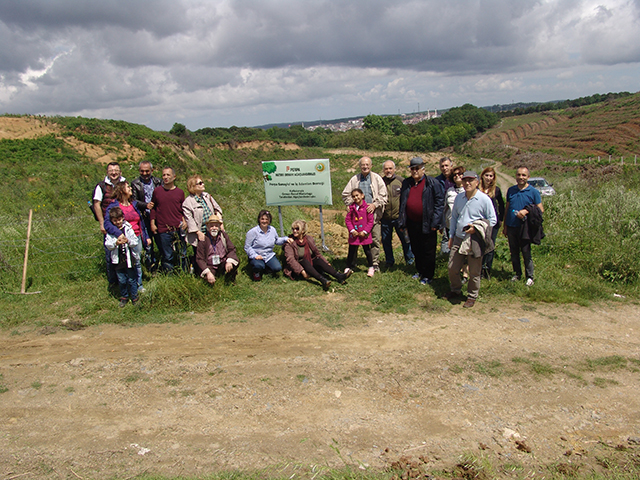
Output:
x,y
26,254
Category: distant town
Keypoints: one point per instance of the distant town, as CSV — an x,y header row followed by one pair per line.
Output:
x,y
358,123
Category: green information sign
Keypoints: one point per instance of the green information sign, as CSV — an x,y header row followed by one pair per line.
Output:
x,y
297,182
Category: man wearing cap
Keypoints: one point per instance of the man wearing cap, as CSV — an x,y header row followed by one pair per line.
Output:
x,y
375,194
216,255
390,216
472,218
421,207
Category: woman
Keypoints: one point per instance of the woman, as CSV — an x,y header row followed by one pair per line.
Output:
x,y
488,186
303,258
216,254
259,246
123,199
197,208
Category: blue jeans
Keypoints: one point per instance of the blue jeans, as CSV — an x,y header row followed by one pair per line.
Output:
x,y
166,241
128,280
259,266
387,227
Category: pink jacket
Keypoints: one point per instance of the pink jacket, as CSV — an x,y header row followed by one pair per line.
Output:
x,y
359,220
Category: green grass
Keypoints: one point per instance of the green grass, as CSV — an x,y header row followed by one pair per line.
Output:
x,y
576,262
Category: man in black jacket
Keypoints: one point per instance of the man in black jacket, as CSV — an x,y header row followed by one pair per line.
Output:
x,y
142,189
421,207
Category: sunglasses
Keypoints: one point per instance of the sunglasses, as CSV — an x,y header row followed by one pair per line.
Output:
x,y
295,229
458,174
200,183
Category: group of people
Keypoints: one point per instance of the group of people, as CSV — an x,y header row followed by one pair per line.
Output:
x,y
465,208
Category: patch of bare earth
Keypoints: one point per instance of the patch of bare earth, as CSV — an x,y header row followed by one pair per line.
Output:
x,y
209,395
257,145
18,128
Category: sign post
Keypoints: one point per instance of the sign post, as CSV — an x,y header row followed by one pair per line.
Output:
x,y
298,182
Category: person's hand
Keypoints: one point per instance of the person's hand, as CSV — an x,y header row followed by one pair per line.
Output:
x,y
258,257
371,208
471,230
154,228
102,229
290,240
150,205
200,236
148,242
305,274
228,266
183,224
210,278
522,214
450,243
122,240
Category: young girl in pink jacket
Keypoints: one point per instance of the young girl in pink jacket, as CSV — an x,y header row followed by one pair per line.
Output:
x,y
359,223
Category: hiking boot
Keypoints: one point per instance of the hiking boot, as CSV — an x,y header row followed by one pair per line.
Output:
x,y
348,272
325,284
425,281
134,301
515,278
469,303
123,302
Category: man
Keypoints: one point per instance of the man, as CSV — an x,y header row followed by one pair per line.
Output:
x,y
390,216
421,207
375,194
167,220
103,193
446,168
472,219
103,196
519,197
142,189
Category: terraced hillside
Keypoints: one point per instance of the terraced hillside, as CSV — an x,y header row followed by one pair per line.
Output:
x,y
612,128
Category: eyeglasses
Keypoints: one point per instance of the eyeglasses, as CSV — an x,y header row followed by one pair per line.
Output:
x,y
415,169
200,183
458,174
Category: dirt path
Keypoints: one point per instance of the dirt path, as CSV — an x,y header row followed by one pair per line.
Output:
x,y
281,391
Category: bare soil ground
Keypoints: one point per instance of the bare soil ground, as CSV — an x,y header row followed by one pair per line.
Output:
x,y
523,385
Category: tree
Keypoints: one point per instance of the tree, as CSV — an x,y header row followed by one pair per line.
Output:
x,y
178,129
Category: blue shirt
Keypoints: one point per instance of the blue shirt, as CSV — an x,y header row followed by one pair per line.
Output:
x,y
517,200
466,211
262,243
365,186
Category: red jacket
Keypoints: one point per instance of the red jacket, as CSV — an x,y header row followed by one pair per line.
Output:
x,y
360,220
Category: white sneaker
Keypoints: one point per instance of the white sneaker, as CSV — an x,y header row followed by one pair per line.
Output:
x,y
371,272
529,282
515,278
347,271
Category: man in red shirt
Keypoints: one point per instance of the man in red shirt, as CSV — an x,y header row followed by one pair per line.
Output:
x,y
167,221
421,207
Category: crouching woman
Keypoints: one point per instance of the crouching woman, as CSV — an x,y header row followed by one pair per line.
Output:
x,y
303,258
216,255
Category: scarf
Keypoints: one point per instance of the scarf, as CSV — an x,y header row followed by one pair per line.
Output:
x,y
307,251
206,212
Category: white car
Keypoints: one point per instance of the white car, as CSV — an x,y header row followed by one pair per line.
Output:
x,y
545,188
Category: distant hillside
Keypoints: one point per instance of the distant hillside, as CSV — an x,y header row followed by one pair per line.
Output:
x,y
603,129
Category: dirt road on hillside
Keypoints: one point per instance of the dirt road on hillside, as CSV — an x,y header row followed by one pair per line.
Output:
x,y
519,384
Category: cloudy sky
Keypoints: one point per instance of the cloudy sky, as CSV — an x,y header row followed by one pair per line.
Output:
x,y
251,62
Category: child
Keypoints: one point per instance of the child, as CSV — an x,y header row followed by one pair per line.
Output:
x,y
359,223
123,256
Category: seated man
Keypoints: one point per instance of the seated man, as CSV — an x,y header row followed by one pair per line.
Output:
x,y
216,255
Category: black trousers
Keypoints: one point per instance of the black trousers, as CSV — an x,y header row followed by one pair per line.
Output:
x,y
423,246
353,253
318,267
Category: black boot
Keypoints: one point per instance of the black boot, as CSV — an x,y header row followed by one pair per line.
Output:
x,y
325,283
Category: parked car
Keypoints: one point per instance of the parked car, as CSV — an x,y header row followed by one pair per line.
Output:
x,y
545,188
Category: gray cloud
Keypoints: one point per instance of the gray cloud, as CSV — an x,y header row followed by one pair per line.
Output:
x,y
244,59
